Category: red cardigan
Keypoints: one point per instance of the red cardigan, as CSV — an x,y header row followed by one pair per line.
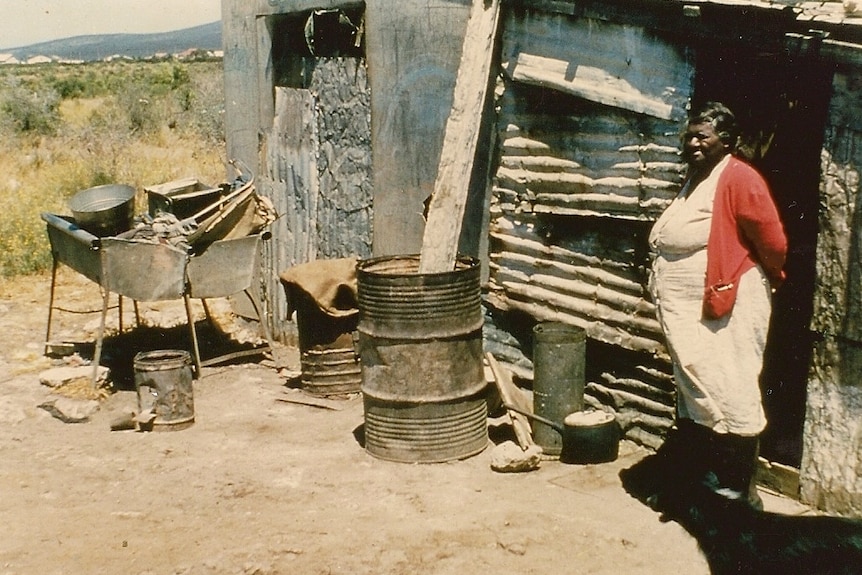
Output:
x,y
745,230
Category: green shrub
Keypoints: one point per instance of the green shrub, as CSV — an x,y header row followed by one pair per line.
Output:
x,y
70,87
24,111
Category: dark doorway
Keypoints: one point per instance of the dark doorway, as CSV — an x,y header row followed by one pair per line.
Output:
x,y
780,98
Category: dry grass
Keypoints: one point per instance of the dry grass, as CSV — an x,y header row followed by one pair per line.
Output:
x,y
137,124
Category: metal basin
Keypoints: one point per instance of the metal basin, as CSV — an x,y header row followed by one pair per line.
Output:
x,y
104,210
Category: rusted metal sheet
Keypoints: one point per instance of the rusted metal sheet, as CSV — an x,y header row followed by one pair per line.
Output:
x,y
832,450
77,248
143,271
625,67
317,171
585,160
604,295
226,267
578,183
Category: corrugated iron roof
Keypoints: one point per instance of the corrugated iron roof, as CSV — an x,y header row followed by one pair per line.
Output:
x,y
838,20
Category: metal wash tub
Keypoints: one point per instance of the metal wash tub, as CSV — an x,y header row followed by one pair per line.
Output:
x,y
152,272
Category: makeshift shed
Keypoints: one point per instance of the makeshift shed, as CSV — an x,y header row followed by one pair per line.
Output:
x,y
588,128
298,111
589,102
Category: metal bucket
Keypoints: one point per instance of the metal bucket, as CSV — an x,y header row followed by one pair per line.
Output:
x,y
104,210
163,380
558,379
420,344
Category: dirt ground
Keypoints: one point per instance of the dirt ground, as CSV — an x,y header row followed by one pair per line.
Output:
x,y
259,486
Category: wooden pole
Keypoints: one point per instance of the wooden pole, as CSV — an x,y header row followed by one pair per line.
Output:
x,y
448,201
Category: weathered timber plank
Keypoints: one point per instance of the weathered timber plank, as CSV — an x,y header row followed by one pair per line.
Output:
x,y
512,397
449,199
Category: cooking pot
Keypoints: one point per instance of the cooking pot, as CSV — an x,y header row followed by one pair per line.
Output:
x,y
104,210
590,436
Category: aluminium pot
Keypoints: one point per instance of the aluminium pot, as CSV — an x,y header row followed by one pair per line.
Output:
x,y
105,210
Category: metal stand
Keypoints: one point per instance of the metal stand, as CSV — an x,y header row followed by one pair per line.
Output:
x,y
225,268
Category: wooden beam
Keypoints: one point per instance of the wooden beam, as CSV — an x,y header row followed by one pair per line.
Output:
x,y
448,201
512,397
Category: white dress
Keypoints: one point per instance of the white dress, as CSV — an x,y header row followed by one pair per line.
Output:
x,y
716,363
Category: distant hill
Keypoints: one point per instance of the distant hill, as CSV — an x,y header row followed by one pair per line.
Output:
x,y
100,46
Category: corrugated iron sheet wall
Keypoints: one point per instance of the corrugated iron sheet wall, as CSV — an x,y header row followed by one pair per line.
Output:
x,y
317,170
586,165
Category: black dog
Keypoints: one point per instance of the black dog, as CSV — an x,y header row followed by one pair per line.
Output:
x,y
738,539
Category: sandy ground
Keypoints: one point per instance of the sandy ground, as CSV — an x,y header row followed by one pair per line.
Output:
x,y
262,486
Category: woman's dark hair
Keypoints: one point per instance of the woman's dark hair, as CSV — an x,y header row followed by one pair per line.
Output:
x,y
721,118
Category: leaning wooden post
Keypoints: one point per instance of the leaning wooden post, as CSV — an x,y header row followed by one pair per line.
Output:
x,y
446,210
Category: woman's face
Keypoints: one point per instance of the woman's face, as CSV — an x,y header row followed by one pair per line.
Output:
x,y
701,146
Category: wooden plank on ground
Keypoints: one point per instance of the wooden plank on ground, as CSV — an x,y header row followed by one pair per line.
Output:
x,y
512,396
448,201
300,398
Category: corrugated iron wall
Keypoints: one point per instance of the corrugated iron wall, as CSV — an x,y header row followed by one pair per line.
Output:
x,y
317,170
589,120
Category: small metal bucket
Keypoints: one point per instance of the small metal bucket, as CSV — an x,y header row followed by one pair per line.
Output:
x,y
163,380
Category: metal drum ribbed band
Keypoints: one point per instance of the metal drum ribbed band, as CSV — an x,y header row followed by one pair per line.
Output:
x,y
331,371
425,433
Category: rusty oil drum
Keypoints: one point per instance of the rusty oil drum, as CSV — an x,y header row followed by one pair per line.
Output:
x,y
420,346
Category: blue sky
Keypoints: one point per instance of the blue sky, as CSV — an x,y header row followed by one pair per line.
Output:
x,y
24,22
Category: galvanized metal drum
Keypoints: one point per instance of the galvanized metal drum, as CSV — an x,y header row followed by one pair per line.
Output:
x,y
420,344
163,380
558,379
